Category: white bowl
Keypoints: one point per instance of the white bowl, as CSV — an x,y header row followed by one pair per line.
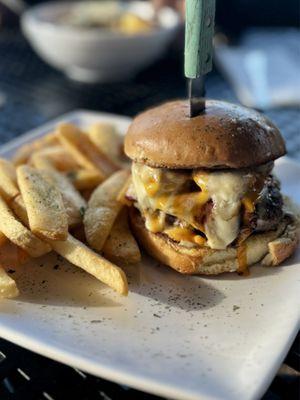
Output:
x,y
96,54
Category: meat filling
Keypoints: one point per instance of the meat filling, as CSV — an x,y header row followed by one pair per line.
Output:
x,y
268,209
201,208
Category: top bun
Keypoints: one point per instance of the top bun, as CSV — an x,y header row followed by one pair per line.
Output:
x,y
225,135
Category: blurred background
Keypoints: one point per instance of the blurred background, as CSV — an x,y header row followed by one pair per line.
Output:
x,y
98,56
122,58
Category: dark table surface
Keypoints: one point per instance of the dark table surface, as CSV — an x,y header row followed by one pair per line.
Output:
x,y
35,93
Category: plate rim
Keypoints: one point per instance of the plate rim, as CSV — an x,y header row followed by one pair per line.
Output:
x,y
139,382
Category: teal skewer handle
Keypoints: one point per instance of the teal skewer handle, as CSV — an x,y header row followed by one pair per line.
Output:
x,y
199,30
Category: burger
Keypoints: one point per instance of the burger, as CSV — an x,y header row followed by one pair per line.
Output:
x,y
204,197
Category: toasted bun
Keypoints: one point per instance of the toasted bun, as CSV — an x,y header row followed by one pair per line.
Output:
x,y
224,136
271,248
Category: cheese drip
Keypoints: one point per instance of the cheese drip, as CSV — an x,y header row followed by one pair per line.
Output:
x,y
161,191
226,190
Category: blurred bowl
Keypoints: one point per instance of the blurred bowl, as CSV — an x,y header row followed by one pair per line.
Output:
x,y
92,54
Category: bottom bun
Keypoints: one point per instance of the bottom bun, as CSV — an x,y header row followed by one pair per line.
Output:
x,y
269,247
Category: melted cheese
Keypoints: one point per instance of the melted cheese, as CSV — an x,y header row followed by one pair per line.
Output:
x,y
155,222
184,235
248,203
151,178
242,259
226,190
160,192
183,206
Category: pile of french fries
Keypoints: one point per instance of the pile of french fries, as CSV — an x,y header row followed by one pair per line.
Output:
x,y
64,193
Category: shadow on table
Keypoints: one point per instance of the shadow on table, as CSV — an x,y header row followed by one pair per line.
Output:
x,y
161,284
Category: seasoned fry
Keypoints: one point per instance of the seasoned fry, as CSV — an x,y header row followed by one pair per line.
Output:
x,y
120,245
23,155
18,207
19,234
74,203
8,287
8,169
44,193
105,136
83,257
8,180
103,209
84,179
41,162
44,204
84,150
10,191
121,198
56,156
8,188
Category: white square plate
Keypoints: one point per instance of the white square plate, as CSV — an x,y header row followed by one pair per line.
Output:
x,y
176,336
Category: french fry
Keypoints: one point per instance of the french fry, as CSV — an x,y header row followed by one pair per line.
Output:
x,y
84,179
9,190
18,207
44,204
8,287
17,233
40,200
103,209
39,161
121,198
83,257
56,156
105,136
120,245
84,150
74,203
23,155
8,180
